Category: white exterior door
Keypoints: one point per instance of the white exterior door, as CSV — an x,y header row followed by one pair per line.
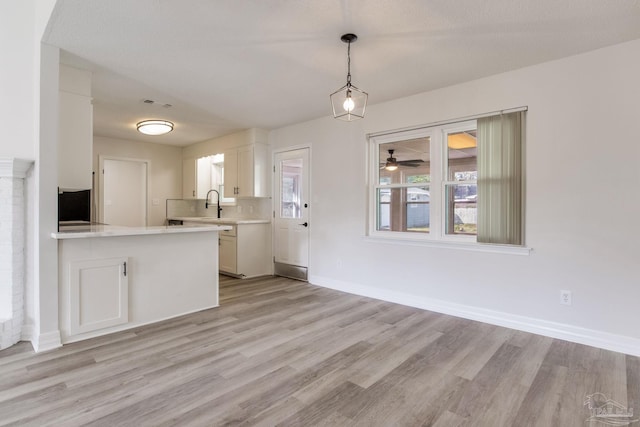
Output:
x,y
291,216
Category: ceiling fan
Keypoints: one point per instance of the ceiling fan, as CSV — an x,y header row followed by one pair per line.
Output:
x,y
393,164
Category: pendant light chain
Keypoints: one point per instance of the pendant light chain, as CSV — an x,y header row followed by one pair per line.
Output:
x,y
349,64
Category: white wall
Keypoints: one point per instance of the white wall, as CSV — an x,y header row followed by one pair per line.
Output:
x,y
222,143
164,174
582,204
17,79
28,116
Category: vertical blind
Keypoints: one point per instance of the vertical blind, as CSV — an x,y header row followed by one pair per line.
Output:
x,y
500,179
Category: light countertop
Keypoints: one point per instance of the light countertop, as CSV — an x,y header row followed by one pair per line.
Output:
x,y
100,230
213,220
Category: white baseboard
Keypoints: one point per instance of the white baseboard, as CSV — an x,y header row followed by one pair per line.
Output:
x,y
47,341
126,326
605,340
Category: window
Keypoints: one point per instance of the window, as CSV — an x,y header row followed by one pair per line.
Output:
x,y
454,182
403,185
460,183
290,196
210,175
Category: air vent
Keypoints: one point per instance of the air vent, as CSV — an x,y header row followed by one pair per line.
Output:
x,y
151,101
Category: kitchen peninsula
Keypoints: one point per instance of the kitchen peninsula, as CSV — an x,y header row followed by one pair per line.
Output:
x,y
245,248
115,278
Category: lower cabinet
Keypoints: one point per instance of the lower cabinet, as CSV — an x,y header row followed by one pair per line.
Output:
x,y
98,294
245,250
228,260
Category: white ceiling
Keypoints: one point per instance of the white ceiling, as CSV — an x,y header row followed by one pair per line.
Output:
x,y
227,65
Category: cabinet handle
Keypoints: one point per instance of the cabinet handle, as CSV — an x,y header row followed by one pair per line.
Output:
x,y
125,269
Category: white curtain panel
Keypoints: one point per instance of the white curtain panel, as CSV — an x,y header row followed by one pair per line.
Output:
x,y
500,179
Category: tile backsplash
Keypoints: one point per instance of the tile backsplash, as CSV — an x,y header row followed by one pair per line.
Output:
x,y
251,208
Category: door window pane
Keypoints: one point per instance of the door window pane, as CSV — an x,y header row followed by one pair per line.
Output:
x,y
290,196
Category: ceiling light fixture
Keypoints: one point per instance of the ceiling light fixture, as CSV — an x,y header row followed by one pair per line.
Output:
x,y
348,102
392,163
154,127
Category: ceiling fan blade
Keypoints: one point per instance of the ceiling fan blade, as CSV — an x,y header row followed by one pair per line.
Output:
x,y
411,163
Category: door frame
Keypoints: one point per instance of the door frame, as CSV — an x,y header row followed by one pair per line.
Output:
x,y
100,196
275,184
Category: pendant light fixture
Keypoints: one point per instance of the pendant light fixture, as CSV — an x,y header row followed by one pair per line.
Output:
x,y
348,102
154,127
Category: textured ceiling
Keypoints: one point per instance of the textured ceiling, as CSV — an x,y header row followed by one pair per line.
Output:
x,y
227,65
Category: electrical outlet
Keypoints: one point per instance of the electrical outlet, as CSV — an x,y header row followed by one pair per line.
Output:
x,y
565,297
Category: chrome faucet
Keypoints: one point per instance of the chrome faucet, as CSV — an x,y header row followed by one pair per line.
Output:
x,y
206,203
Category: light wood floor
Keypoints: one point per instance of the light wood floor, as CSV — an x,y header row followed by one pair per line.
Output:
x,y
282,352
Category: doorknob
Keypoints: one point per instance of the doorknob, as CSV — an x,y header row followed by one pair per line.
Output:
x,y
305,224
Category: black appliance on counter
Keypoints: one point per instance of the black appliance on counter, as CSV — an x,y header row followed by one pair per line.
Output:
x,y
74,206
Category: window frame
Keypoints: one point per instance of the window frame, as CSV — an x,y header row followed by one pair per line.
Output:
x,y
374,184
437,236
445,131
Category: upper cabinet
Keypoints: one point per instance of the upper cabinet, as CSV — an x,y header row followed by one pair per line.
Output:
x,y
236,165
245,172
189,178
75,130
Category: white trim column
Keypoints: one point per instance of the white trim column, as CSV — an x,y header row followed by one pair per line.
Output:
x,y
12,248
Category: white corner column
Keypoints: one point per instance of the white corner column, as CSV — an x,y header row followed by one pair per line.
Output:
x,y
12,249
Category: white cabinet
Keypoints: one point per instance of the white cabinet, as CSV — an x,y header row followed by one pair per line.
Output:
x,y
245,172
245,250
231,173
189,178
228,253
98,294
167,275
75,141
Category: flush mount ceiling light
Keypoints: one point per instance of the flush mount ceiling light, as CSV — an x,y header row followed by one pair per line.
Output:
x,y
348,102
154,127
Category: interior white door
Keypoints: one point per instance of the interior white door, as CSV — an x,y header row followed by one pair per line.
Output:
x,y
124,194
291,219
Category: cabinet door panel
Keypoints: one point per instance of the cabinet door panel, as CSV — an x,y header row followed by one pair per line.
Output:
x,y
228,260
75,146
98,294
189,178
245,172
230,173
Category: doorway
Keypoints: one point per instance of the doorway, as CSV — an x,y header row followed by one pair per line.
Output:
x,y
291,214
123,186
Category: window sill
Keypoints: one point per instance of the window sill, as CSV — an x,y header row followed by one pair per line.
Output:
x,y
464,246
